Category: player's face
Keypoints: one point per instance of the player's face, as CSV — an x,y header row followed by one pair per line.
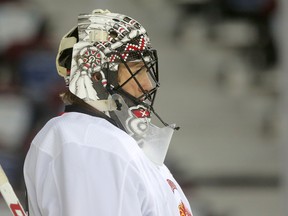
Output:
x,y
132,86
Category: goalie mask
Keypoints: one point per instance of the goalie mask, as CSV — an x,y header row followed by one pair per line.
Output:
x,y
102,59
96,47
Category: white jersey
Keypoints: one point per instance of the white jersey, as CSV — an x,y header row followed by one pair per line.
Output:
x,y
83,165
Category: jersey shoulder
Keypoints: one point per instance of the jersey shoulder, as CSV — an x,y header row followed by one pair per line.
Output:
x,y
85,131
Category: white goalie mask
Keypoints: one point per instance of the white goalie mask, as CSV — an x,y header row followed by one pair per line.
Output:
x,y
100,43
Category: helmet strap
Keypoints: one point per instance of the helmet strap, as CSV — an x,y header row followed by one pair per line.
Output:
x,y
103,105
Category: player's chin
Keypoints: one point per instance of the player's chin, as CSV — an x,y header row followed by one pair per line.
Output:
x,y
142,98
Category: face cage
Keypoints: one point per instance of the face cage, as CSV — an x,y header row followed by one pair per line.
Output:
x,y
148,97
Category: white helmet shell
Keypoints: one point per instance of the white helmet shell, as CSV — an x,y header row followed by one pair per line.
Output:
x,y
102,39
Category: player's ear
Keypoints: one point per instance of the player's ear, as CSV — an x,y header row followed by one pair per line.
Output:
x,y
96,76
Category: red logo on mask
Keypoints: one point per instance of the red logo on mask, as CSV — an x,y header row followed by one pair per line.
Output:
x,y
141,113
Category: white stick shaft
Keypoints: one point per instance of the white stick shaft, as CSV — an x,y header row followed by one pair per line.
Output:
x,y
10,196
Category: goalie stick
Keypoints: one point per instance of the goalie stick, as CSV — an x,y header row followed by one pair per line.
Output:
x,y
10,196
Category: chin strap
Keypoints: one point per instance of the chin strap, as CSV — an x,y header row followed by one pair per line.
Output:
x,y
174,127
133,100
113,104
